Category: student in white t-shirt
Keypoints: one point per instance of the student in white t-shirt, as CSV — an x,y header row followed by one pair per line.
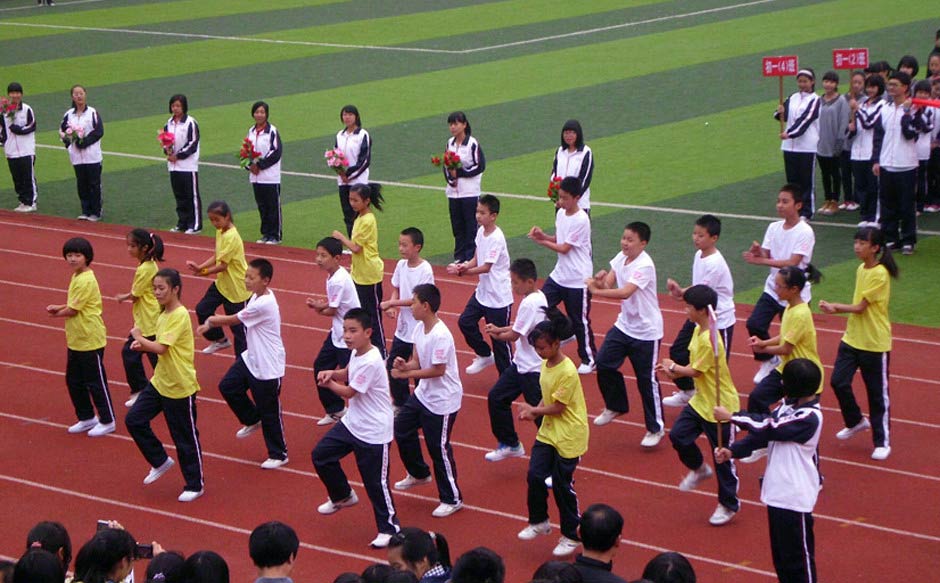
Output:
x,y
565,284
260,368
410,271
636,334
365,429
434,405
708,268
522,376
786,242
341,297
492,300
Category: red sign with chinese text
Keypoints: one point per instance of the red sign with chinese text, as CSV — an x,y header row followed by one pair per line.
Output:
x,y
849,58
780,66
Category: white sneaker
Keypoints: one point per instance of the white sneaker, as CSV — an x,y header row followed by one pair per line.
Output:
x,y
82,217
247,430
155,473
330,507
606,417
275,242
679,398
217,346
101,429
533,530
189,495
549,483
273,464
93,218
261,240
755,456
410,481
692,480
83,426
175,230
25,208
131,400
192,231
721,516
652,439
381,541
765,368
586,368
444,509
505,452
881,453
565,547
331,418
847,432
479,363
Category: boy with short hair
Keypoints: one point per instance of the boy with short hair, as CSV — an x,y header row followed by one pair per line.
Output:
x,y
492,300
636,333
18,138
260,368
565,284
365,429
522,376
410,271
273,549
708,268
341,297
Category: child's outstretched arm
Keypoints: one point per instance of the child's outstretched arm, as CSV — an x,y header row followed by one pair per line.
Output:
x,y
834,308
141,344
347,242
61,311
207,267
334,380
529,413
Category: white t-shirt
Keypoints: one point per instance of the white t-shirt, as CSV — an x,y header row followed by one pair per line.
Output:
x,y
573,267
495,287
405,279
340,294
713,271
639,317
265,356
783,244
530,314
369,416
441,395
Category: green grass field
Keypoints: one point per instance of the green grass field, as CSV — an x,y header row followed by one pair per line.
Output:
x,y
669,93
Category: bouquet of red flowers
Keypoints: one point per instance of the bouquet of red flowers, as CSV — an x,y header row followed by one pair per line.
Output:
x,y
7,108
554,185
167,139
336,159
451,160
247,155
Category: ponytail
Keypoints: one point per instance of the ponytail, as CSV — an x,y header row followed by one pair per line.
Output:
x,y
371,192
555,328
149,241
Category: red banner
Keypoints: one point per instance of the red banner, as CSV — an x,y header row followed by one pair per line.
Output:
x,y
849,58
780,66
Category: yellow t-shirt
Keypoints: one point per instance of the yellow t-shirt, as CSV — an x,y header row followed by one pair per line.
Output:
x,y
702,359
230,250
146,309
85,330
797,328
870,330
568,433
175,376
367,266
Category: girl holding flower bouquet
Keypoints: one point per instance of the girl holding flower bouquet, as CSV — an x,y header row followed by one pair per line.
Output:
x,y
574,158
18,139
182,160
463,185
264,173
81,132
354,142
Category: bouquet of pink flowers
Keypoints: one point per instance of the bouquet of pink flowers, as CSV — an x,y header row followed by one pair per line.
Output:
x,y
167,140
336,159
247,155
73,133
7,108
451,160
554,185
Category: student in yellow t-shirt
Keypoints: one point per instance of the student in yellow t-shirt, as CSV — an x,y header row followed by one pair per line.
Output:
x,y
229,291
367,267
172,390
85,337
697,416
866,344
562,437
147,249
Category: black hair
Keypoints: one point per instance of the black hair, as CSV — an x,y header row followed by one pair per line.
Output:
x,y
700,296
669,568
876,236
79,245
99,556
359,315
524,268
427,293
572,125
348,577
332,246
6,570
909,61
272,543
173,278
479,565
376,573
876,81
353,110
53,537
220,207
38,566
401,577
801,378
641,229
78,86
204,567
490,202
416,544
711,224
571,185
901,77
415,234
831,76
459,116
557,572
167,567
371,192
857,73
922,85
795,191
144,239
555,328
803,73
183,101
264,267
257,104
600,527
794,276
14,87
